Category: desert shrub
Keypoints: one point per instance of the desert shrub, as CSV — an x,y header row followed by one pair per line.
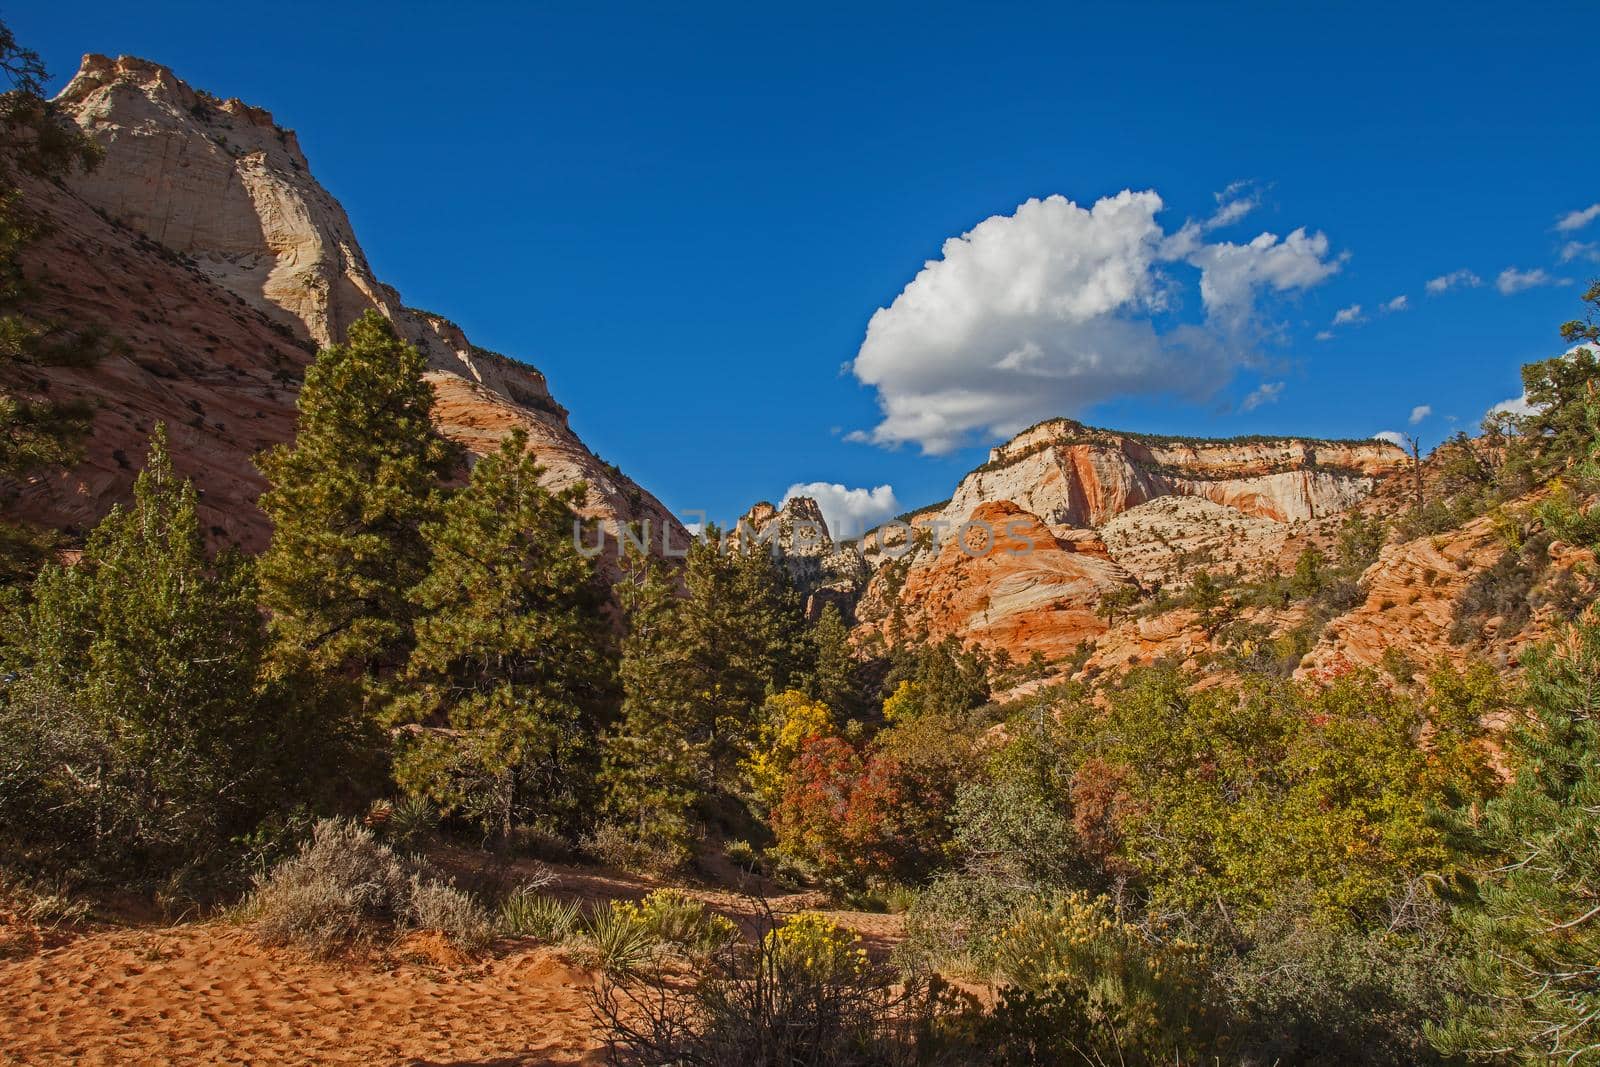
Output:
x,y
1081,980
1504,589
412,821
743,855
1303,990
41,902
673,917
627,848
528,913
436,905
345,887
803,995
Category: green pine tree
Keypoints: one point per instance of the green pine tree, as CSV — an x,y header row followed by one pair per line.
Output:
x,y
833,675
347,501
1533,918
656,759
513,672
136,713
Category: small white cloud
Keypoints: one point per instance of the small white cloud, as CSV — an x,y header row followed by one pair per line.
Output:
x,y
1346,316
1577,220
1512,280
1399,303
848,512
1324,335
1463,279
1420,412
1394,437
1572,250
1234,203
1265,393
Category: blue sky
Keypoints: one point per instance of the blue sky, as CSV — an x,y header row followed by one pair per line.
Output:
x,y
686,215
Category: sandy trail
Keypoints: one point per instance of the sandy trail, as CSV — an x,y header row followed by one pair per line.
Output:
x,y
209,993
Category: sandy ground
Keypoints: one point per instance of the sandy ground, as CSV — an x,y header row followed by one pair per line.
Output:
x,y
205,993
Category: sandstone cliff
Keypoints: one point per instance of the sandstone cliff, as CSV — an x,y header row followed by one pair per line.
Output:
x,y
1065,472
1010,583
205,244
1113,510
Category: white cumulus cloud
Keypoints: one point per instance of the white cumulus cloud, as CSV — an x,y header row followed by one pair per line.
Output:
x,y
1420,412
1512,280
1394,437
1463,279
1399,303
1577,220
1265,393
1052,308
1346,316
1324,335
848,512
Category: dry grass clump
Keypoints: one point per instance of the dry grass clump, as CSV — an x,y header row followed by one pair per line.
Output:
x,y
345,887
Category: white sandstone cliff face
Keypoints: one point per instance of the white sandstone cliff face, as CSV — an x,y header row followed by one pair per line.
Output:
x,y
1066,473
229,191
825,572
221,182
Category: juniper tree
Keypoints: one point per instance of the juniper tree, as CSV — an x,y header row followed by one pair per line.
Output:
x,y
513,669
135,713
347,501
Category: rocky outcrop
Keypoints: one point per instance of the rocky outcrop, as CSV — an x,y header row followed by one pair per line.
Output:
x,y
1165,541
204,243
1014,584
823,571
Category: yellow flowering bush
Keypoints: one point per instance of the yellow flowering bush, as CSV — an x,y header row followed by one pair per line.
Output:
x,y
808,947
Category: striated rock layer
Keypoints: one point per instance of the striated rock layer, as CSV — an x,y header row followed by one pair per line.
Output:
x,y
1026,588
204,243
1065,472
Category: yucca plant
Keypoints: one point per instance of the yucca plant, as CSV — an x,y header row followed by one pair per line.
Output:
x,y
526,913
619,937
410,821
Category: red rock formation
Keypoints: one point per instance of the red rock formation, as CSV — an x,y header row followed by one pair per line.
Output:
x,y
1026,590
